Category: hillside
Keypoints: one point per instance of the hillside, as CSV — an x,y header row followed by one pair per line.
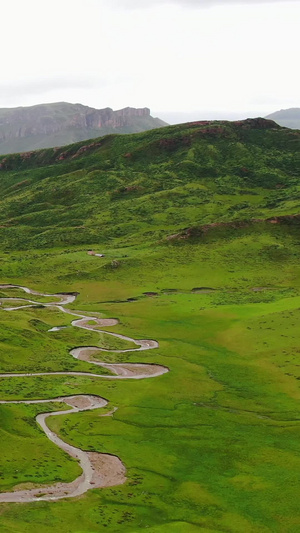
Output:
x,y
58,124
125,188
289,118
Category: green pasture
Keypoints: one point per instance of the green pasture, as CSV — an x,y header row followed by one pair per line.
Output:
x,y
212,446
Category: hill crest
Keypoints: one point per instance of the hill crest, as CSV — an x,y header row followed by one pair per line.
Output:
x,y
147,186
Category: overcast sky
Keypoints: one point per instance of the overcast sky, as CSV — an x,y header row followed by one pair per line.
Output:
x,y
181,58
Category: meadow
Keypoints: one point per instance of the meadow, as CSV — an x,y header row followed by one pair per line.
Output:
x,y
211,446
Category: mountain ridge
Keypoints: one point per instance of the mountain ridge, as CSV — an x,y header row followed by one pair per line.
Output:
x,y
61,123
288,118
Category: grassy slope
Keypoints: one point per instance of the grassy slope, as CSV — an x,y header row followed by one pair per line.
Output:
x,y
128,189
213,445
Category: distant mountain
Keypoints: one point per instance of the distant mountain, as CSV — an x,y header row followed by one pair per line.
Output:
x,y
290,118
58,124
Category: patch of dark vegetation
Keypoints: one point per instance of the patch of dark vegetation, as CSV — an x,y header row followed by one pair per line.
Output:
x,y
39,325
69,293
202,289
170,290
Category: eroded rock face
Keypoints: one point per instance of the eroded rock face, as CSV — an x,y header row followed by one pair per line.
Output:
x,y
50,118
49,125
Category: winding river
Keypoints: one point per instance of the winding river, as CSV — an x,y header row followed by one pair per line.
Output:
x,y
98,469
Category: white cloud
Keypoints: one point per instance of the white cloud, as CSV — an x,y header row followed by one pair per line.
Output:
x,y
229,57
142,4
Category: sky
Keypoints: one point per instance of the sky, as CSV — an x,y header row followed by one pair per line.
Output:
x,y
184,59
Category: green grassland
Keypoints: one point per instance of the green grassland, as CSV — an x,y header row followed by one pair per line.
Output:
x,y
25,454
212,446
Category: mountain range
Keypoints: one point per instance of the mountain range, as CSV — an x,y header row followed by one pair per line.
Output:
x,y
24,129
58,124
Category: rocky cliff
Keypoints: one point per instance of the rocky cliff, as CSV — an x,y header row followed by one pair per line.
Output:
x,y
48,125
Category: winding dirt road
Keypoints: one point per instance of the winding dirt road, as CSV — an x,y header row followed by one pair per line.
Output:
x,y
98,469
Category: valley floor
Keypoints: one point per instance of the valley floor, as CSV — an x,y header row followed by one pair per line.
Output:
x,y
212,445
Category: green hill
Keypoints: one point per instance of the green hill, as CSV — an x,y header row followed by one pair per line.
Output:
x,y
124,189
59,124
